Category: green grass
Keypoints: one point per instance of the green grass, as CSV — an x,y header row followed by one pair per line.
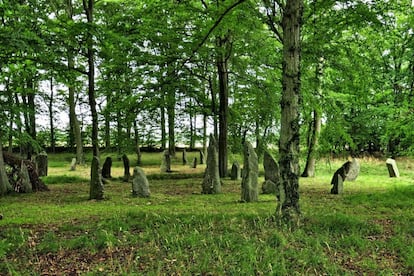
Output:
x,y
368,230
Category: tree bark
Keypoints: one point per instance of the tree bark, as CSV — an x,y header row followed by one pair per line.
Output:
x,y
171,120
163,132
5,186
288,208
315,131
51,121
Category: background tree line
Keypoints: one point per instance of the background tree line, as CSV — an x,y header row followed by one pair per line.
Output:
x,y
160,73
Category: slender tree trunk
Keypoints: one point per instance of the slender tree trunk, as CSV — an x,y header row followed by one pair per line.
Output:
x,y
163,124
204,132
223,76
315,130
107,123
171,121
213,107
73,119
288,208
5,186
51,121
137,144
11,104
119,131
88,7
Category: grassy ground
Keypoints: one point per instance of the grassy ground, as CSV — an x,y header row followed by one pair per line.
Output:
x,y
177,231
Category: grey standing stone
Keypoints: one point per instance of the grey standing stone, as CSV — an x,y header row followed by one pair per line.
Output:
x,y
140,185
235,171
392,168
166,162
106,168
348,171
249,187
73,164
211,182
96,190
272,174
184,157
25,184
127,174
42,164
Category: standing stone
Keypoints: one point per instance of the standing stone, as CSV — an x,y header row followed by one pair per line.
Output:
x,y
353,170
42,164
140,185
194,164
166,162
235,171
392,168
201,157
271,169
249,187
25,184
106,169
73,164
96,190
211,182
127,174
348,171
184,157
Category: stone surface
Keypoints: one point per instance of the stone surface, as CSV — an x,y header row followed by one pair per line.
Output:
x,y
235,173
194,163
201,157
353,170
272,174
249,187
73,164
211,182
166,162
96,187
348,171
140,185
106,168
127,174
338,184
392,168
42,163
25,185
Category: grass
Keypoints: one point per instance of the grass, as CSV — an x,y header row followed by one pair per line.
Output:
x,y
368,230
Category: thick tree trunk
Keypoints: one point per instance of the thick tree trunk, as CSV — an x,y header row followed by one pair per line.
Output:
x,y
171,121
288,208
315,131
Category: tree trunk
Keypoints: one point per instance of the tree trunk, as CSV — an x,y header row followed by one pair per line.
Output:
x,y
119,131
107,124
213,107
5,186
171,121
51,124
163,132
288,209
73,120
315,131
88,7
137,144
224,48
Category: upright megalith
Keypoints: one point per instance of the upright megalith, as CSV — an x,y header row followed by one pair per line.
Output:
x,y
348,171
96,190
73,164
24,185
42,163
201,157
211,182
106,168
166,162
392,167
127,174
235,171
249,187
140,185
272,174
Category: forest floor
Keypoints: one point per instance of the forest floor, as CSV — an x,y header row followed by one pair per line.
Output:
x,y
367,230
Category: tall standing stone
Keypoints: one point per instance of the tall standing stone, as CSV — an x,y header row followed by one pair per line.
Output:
x,y
127,174
392,168
235,171
140,185
73,164
211,182
25,183
166,161
106,168
96,190
249,187
42,164
185,157
272,174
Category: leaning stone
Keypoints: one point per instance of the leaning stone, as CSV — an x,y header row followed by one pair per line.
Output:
x,y
392,168
269,187
184,157
201,157
140,185
106,168
249,187
211,182
166,162
235,171
348,171
338,184
272,174
194,163
73,164
353,170
96,187
26,185
42,164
